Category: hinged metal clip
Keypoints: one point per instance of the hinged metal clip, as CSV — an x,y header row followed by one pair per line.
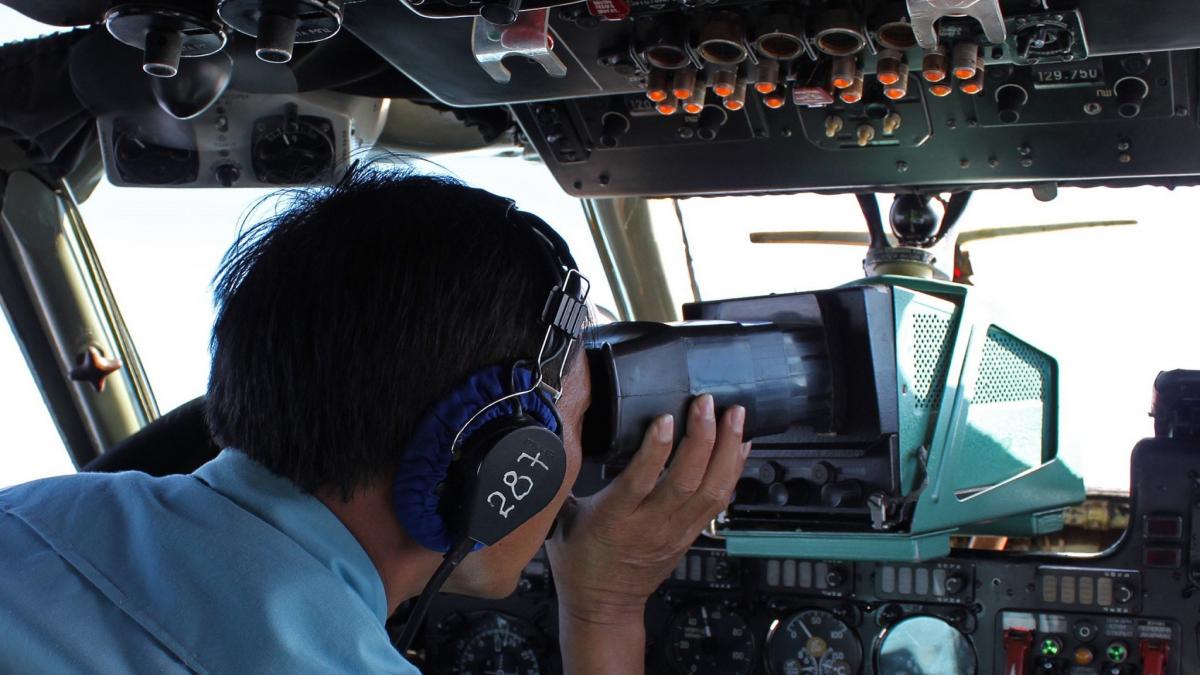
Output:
x,y
528,36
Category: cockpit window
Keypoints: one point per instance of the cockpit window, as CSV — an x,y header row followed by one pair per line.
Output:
x,y
161,253
32,447
15,26
160,249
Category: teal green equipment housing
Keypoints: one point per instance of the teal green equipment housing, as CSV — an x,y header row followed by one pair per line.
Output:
x,y
976,440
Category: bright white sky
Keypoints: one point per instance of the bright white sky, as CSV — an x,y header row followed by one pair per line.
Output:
x,y
1110,304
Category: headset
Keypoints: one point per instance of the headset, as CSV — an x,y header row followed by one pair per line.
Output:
x,y
489,456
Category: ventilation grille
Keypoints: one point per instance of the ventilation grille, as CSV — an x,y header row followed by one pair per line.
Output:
x,y
930,358
1010,371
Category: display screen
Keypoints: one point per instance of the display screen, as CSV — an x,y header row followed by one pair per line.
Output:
x,y
1088,73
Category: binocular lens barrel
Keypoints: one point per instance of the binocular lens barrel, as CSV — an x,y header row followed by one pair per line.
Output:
x,y
641,370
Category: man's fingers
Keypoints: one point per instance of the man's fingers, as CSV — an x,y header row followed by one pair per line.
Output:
x,y
641,475
723,470
691,459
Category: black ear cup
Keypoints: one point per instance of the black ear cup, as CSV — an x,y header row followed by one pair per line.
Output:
x,y
511,469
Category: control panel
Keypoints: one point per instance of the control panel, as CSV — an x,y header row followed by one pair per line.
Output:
x,y
628,97
1027,123
242,140
1131,610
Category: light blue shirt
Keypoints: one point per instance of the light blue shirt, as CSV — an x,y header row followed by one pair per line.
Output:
x,y
231,569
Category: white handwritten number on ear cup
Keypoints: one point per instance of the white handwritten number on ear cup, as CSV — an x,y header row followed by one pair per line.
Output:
x,y
512,479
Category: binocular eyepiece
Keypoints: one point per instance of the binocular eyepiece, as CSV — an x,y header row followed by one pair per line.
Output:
x,y
643,369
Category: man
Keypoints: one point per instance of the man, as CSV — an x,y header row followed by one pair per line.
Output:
x,y
341,321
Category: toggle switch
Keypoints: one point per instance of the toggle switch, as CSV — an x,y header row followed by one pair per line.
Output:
x,y
1017,644
864,135
891,123
1154,656
833,126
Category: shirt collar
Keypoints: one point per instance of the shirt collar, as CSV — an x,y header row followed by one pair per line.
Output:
x,y
299,515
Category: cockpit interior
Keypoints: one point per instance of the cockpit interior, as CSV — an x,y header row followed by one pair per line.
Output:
x,y
965,230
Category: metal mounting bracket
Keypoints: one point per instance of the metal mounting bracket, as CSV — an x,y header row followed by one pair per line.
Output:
x,y
529,36
925,13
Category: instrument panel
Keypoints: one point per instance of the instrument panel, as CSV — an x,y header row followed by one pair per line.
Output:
x,y
1131,610
661,98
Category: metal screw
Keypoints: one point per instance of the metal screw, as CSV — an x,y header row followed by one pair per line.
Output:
x,y
785,132
1024,149
972,122
1181,110
964,163
604,179
901,166
1026,162
1092,108
993,162
685,132
1124,158
951,123
1123,145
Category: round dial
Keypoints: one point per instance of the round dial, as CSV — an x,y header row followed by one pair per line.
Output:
x,y
292,150
813,642
497,644
709,638
924,645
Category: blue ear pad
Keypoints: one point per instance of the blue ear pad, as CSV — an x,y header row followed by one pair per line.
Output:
x,y
425,462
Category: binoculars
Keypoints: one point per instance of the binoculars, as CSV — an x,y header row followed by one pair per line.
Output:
x,y
643,369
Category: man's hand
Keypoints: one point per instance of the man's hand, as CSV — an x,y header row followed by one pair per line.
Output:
x,y
612,550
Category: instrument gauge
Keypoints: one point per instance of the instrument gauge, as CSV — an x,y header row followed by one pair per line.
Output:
x,y
924,645
813,642
292,149
497,644
709,638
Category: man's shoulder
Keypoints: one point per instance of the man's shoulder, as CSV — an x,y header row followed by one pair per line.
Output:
x,y
179,559
73,496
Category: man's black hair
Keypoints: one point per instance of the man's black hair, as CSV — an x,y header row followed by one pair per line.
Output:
x,y
344,317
